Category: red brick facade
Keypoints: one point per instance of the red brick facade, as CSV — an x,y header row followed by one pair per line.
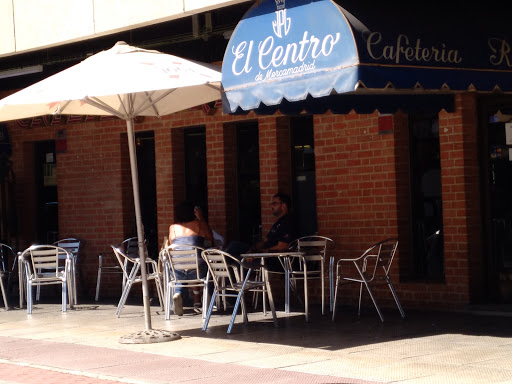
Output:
x,y
361,186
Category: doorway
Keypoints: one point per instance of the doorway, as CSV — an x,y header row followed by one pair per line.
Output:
x,y
499,207
47,208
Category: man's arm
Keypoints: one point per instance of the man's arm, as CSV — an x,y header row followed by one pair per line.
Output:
x,y
257,246
204,228
279,246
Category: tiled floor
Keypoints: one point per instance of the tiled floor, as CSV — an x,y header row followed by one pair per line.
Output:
x,y
426,347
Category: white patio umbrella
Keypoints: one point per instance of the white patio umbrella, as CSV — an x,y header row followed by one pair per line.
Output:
x,y
126,82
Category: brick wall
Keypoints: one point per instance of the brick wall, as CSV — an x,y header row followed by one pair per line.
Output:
x,y
361,176
461,199
356,182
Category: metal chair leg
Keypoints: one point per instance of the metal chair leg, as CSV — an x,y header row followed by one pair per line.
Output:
x,y
235,310
64,296
126,290
4,293
168,299
306,301
29,298
323,285
205,300
334,300
374,301
270,299
98,280
210,309
124,296
395,296
159,291
331,283
21,278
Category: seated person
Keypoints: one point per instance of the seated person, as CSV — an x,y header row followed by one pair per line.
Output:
x,y
190,229
279,236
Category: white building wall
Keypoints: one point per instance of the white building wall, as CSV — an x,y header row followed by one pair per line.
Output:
x,y
7,44
28,25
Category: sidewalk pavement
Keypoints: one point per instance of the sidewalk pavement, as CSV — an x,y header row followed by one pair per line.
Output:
x,y
82,346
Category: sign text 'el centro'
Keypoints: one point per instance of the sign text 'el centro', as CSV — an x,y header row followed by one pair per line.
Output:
x,y
282,38
282,42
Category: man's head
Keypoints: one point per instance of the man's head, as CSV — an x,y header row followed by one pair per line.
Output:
x,y
281,204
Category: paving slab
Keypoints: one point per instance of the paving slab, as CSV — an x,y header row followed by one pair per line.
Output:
x,y
82,345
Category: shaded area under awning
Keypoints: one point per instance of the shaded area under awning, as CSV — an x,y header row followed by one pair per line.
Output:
x,y
360,103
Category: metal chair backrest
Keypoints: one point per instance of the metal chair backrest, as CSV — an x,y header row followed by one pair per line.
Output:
x,y
6,253
223,267
182,258
313,245
130,247
124,261
314,248
379,255
47,260
71,245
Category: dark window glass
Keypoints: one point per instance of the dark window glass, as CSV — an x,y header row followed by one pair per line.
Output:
x,y
196,188
303,170
248,183
426,198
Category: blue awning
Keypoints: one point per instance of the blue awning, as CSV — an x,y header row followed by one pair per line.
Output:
x,y
285,52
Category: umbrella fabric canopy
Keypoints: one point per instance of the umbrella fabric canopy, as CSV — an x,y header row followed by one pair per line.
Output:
x,y
126,82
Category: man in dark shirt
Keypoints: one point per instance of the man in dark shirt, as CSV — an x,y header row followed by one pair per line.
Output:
x,y
279,236
281,233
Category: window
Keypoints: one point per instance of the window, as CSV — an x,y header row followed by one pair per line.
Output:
x,y
426,198
303,170
196,188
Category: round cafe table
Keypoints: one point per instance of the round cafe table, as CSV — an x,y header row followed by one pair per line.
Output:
x,y
285,256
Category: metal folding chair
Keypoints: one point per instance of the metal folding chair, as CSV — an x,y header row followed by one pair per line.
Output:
x,y
46,265
6,253
130,247
233,282
371,268
72,245
309,266
131,267
182,258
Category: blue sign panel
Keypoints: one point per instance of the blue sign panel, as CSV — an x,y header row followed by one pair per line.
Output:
x,y
286,51
288,48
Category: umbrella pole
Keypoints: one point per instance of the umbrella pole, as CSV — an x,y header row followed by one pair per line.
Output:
x,y
138,219
149,335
